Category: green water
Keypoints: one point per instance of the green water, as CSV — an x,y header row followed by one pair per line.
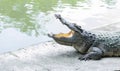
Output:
x,y
26,22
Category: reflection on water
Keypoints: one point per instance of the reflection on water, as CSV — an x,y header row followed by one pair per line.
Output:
x,y
110,2
26,22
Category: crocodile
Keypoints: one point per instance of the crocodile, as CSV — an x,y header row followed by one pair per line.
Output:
x,y
94,45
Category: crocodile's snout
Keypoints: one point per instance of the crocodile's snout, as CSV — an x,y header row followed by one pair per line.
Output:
x,y
50,35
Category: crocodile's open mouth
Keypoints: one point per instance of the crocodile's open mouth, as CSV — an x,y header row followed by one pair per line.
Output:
x,y
66,38
63,38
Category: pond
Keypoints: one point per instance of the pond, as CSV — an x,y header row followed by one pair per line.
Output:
x,y
26,22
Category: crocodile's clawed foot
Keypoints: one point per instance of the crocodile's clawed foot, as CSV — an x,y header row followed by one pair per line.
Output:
x,y
58,16
85,58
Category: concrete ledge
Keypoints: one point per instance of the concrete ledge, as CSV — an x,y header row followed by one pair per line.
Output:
x,y
50,56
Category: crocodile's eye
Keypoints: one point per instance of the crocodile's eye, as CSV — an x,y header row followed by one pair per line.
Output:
x,y
77,25
78,28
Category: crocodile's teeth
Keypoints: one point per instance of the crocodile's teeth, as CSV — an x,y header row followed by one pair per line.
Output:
x,y
50,35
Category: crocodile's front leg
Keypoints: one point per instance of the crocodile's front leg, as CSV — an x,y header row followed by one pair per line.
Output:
x,y
72,26
95,54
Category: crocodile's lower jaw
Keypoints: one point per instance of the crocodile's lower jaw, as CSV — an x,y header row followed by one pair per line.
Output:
x,y
64,43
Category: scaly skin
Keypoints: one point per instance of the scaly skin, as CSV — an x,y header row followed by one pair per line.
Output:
x,y
94,44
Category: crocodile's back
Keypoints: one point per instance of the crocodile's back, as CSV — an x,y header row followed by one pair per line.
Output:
x,y
108,36
109,42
